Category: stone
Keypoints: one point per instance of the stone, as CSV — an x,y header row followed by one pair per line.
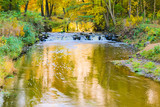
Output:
x,y
114,38
99,38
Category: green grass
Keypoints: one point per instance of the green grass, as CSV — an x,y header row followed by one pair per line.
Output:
x,y
142,34
150,65
153,54
136,64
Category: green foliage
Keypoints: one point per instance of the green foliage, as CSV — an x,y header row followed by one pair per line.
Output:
x,y
138,69
150,65
152,54
12,48
135,64
30,37
77,7
36,20
157,71
157,49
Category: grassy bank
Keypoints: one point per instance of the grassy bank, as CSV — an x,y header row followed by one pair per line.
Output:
x,y
142,67
16,32
145,36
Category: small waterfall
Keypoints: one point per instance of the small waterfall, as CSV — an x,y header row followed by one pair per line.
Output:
x,y
81,37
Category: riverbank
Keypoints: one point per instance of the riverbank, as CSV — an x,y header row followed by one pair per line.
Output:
x,y
145,38
142,67
17,33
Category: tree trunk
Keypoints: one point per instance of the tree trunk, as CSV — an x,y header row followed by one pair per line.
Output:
x,y
154,13
110,11
122,6
141,7
130,8
138,8
51,9
47,8
106,20
42,9
26,6
10,5
64,11
54,12
144,6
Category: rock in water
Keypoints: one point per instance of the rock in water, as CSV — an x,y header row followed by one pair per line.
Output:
x,y
114,38
106,36
99,38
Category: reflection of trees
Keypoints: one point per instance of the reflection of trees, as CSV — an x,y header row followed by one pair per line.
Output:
x,y
119,88
63,69
83,73
152,94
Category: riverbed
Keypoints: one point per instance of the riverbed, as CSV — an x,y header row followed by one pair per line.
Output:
x,y
78,73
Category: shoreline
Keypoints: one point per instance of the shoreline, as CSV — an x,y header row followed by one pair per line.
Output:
x,y
25,49
140,70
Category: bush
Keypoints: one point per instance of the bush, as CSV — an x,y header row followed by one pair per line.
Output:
x,y
134,21
12,48
30,36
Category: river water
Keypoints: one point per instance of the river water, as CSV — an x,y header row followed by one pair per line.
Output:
x,y
68,73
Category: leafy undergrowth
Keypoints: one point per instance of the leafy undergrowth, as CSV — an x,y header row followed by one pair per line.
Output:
x,y
152,54
17,31
141,34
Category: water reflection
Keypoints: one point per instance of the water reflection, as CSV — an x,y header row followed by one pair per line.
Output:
x,y
77,74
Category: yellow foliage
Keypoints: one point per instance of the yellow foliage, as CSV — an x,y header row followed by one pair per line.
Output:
x,y
21,31
150,15
147,29
127,23
135,20
2,41
11,28
151,32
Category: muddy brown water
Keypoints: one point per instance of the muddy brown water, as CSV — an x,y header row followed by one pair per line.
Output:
x,y
77,74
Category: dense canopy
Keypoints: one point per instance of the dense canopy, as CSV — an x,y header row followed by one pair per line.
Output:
x,y
103,14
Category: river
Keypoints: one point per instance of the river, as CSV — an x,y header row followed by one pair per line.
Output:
x,y
67,73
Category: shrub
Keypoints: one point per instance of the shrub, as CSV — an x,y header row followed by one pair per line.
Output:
x,y
12,48
30,36
134,21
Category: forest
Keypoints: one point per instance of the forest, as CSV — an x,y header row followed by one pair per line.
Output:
x,y
95,71
99,14
21,21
